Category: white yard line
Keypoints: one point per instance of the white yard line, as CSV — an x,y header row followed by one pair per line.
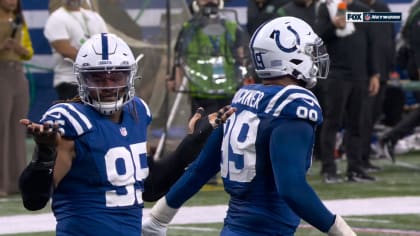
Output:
x,y
407,165
215,214
385,231
199,229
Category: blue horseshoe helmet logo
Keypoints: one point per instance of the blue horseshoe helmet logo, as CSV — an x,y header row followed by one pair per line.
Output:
x,y
276,36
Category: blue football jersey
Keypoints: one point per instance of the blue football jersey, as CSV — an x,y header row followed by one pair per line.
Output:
x,y
102,192
246,167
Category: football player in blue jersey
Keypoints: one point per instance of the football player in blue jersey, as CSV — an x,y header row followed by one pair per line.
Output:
x,y
91,152
264,149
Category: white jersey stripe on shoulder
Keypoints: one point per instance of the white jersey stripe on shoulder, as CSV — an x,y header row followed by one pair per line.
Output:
x,y
81,115
146,107
276,97
291,98
64,112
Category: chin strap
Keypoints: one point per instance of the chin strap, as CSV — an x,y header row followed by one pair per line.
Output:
x,y
108,108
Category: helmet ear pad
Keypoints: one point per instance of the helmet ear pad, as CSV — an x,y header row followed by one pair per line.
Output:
x,y
196,7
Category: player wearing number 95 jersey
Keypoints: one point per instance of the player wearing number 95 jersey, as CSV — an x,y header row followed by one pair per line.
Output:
x,y
92,150
264,150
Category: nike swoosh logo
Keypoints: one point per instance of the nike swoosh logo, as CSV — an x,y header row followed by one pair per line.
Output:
x,y
55,116
309,102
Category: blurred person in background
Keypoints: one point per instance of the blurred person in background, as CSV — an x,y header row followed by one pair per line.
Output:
x,y
353,76
209,51
373,104
66,29
55,4
259,11
408,59
404,127
410,43
303,9
15,47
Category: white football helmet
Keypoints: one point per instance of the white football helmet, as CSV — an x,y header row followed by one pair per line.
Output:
x,y
105,69
289,46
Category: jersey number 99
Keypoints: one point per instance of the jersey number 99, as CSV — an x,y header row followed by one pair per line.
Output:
x,y
238,163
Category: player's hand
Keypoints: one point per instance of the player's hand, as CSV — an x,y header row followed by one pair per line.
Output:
x,y
46,134
220,117
201,126
197,122
193,123
46,137
374,85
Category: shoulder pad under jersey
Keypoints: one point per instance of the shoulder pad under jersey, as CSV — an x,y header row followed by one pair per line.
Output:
x,y
295,102
70,117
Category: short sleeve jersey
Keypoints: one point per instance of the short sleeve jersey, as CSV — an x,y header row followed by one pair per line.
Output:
x,y
107,173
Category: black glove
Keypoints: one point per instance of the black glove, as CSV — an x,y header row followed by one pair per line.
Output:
x,y
44,157
202,127
46,137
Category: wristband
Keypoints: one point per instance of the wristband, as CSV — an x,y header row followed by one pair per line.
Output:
x,y
162,212
340,228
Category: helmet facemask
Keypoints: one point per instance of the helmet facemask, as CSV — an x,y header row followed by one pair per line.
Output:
x,y
320,63
321,60
107,90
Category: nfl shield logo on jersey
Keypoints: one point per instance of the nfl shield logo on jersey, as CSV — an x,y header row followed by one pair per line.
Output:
x,y
123,131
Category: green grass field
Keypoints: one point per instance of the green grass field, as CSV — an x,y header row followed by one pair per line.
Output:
x,y
399,179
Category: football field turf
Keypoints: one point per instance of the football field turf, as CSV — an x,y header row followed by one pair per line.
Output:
x,y
395,180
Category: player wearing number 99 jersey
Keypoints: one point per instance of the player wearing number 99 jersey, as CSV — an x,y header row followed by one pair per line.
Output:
x,y
264,150
259,146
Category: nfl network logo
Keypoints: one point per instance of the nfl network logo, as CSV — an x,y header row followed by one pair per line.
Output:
x,y
373,16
